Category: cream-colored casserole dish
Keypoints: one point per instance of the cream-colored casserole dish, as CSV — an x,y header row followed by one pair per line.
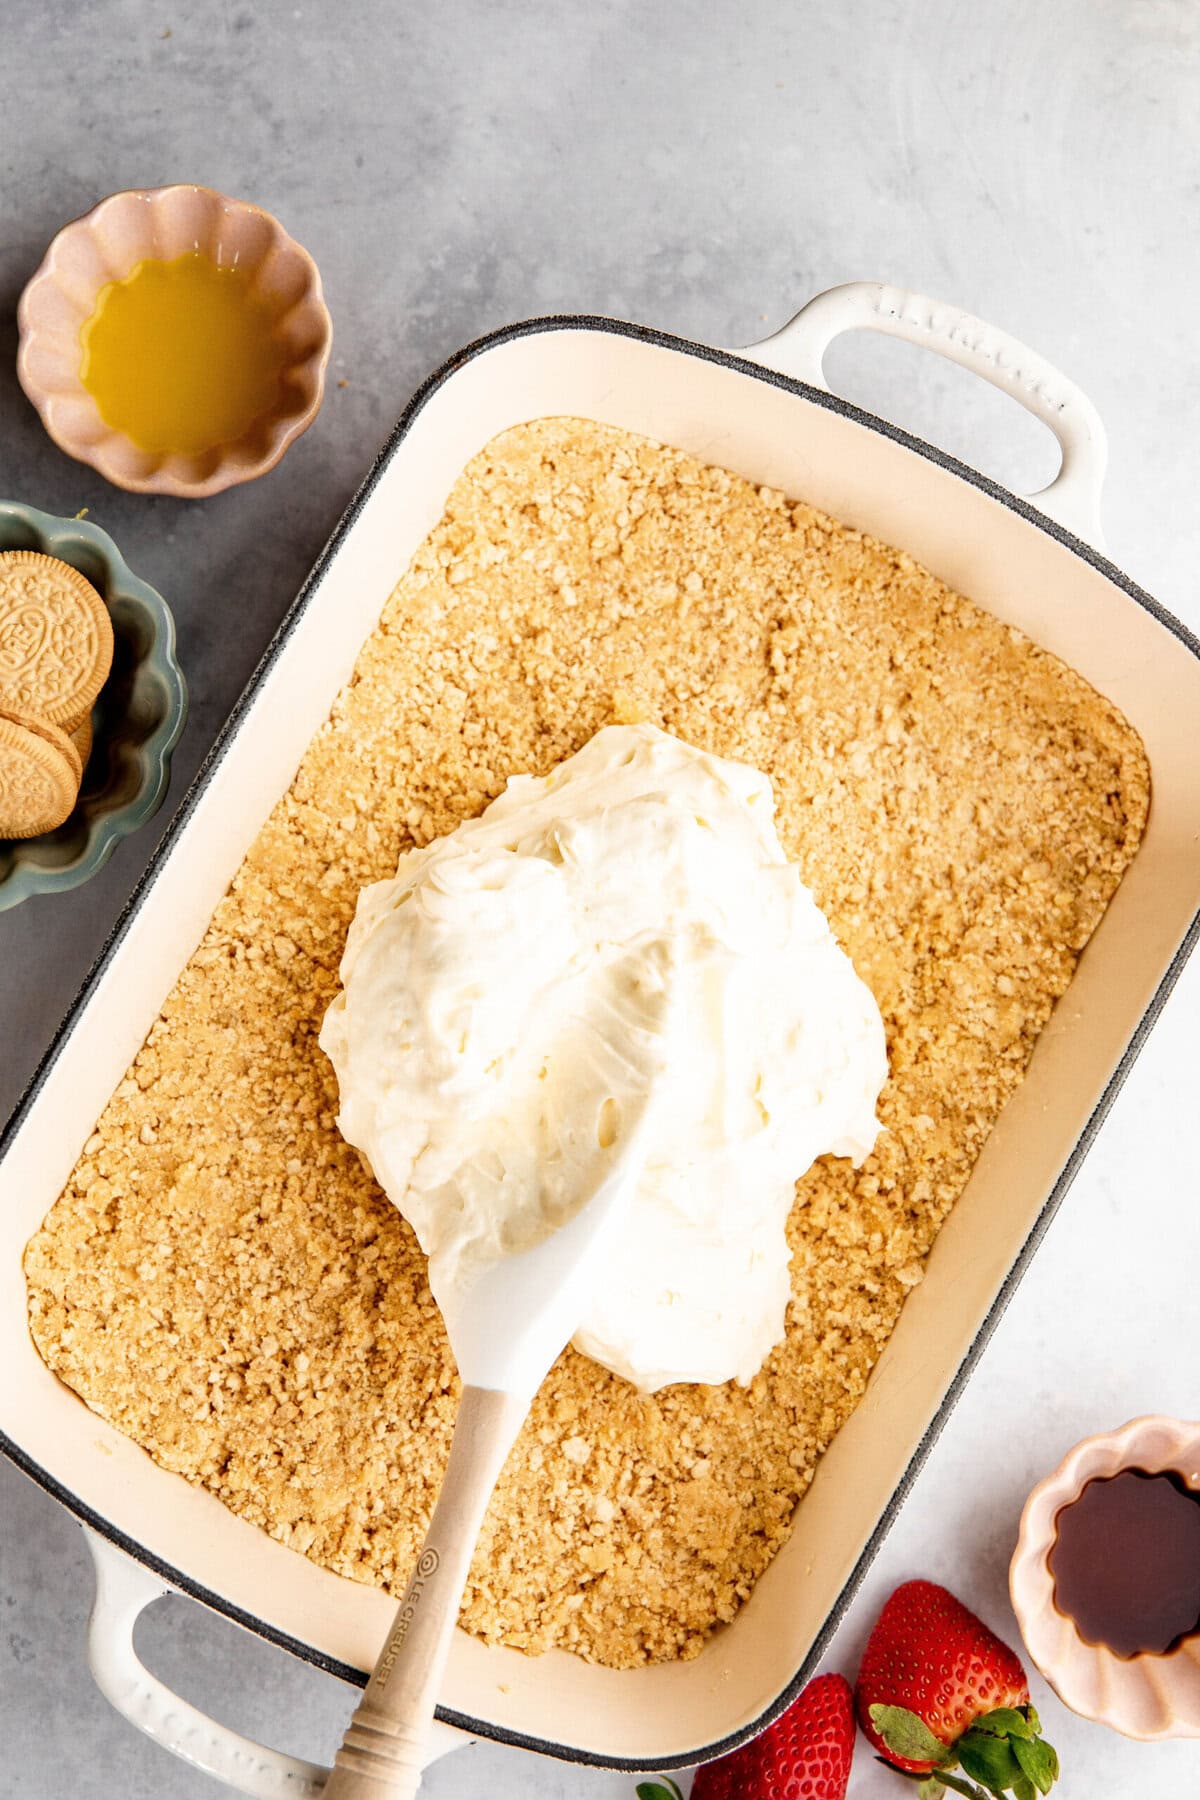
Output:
x,y
764,414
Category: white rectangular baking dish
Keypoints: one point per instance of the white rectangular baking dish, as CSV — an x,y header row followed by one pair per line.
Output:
x,y
1036,565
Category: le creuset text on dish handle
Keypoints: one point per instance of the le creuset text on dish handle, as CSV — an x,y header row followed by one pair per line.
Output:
x,y
1073,497
124,1589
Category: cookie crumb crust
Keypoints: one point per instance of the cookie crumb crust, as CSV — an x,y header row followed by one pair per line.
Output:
x,y
222,1280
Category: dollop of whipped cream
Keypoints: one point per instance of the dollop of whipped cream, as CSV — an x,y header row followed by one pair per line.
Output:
x,y
626,926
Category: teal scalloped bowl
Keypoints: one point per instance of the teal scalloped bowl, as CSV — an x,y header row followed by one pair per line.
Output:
x,y
136,721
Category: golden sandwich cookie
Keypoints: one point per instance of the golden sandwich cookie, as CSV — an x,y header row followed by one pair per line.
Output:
x,y
38,781
50,734
56,639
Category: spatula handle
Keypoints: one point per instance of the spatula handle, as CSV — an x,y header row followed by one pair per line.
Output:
x,y
380,1757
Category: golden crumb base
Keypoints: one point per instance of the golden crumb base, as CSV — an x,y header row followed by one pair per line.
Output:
x,y
223,1281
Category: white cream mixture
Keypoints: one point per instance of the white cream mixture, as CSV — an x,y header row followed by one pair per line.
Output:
x,y
625,925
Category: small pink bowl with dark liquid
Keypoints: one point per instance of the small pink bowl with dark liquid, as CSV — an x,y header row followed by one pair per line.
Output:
x,y
1108,1559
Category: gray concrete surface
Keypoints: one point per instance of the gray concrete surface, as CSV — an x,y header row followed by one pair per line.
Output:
x,y
703,168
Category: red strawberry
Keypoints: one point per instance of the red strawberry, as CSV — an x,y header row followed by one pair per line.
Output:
x,y
804,1755
938,1691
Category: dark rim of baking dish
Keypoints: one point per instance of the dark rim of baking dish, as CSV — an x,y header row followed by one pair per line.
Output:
x,y
742,365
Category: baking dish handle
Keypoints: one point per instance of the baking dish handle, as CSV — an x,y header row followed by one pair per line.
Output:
x,y
124,1589
1073,497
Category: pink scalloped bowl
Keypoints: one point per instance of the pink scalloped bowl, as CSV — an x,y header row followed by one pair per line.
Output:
x,y
105,245
1144,1696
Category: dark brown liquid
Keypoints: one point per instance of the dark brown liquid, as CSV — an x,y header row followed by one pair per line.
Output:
x,y
1126,1562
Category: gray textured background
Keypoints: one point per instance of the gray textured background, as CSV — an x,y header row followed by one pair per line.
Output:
x,y
703,168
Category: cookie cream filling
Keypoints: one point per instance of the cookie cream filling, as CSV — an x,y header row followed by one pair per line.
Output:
x,y
625,927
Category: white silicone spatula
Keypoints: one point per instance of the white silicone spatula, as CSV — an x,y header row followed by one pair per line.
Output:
x,y
506,1330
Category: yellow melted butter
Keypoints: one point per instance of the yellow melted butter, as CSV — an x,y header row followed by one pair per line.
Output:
x,y
180,356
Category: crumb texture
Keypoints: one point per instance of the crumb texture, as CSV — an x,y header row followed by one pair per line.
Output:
x,y
222,1279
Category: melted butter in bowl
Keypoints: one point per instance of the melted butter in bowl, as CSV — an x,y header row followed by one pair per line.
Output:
x,y
182,356
176,340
